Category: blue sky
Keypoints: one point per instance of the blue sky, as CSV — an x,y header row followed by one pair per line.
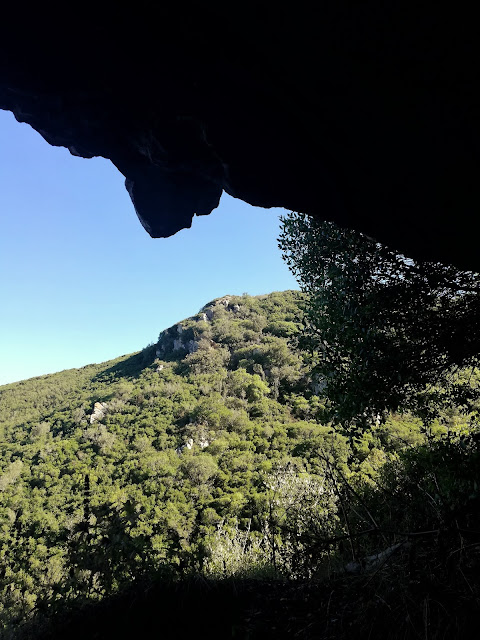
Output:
x,y
80,279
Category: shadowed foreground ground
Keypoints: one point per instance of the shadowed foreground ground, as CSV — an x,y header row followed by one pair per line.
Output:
x,y
380,605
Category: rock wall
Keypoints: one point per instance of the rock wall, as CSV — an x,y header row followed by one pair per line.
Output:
x,y
366,115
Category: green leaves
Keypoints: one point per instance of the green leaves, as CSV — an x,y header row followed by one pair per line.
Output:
x,y
382,331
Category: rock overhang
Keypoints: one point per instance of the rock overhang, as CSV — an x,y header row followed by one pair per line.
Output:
x,y
367,117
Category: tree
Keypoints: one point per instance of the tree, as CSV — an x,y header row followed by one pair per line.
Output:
x,y
384,332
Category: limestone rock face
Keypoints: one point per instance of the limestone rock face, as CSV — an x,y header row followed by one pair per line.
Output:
x,y
192,346
367,116
99,410
188,445
203,443
178,344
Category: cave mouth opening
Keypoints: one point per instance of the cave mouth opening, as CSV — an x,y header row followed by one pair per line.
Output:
x,y
83,282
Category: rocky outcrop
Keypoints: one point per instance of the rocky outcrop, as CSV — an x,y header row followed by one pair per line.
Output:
x,y
192,346
367,116
208,311
203,443
187,445
178,344
99,411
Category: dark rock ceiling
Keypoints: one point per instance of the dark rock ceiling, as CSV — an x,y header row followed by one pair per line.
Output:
x,y
365,114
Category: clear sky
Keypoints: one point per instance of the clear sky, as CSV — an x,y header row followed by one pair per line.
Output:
x,y
81,281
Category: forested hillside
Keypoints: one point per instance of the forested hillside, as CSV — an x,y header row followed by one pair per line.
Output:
x,y
211,453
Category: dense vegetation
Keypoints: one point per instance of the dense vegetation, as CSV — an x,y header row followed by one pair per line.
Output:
x,y
212,454
385,333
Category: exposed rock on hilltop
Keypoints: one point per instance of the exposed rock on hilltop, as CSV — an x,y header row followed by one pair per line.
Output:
x,y
186,335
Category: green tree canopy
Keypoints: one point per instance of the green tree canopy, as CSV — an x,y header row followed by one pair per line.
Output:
x,y
384,332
